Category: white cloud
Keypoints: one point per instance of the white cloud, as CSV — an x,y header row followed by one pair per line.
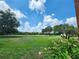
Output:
x,y
53,14
49,20
25,28
19,14
71,21
28,28
4,6
38,28
37,5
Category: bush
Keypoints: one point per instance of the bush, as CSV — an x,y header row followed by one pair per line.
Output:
x,y
62,49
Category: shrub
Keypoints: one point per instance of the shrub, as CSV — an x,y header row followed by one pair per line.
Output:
x,y
62,49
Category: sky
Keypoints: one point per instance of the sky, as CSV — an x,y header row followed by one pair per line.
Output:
x,y
35,15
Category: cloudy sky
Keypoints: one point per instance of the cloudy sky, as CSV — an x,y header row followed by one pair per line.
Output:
x,y
34,15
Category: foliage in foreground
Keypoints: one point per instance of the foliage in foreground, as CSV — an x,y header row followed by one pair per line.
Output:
x,y
62,49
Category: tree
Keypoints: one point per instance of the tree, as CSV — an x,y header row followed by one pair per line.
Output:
x,y
69,30
63,28
47,30
58,29
8,22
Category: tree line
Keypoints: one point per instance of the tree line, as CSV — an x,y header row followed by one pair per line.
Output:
x,y
9,24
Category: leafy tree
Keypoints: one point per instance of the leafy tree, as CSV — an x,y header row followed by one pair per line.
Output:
x,y
63,28
8,22
47,30
58,29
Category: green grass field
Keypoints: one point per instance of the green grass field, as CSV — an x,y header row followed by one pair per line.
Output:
x,y
25,47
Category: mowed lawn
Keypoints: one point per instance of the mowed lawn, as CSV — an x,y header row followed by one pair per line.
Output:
x,y
24,47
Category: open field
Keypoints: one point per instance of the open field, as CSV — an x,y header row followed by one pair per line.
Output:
x,y
25,47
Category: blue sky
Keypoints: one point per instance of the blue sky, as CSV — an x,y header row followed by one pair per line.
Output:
x,y
37,14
